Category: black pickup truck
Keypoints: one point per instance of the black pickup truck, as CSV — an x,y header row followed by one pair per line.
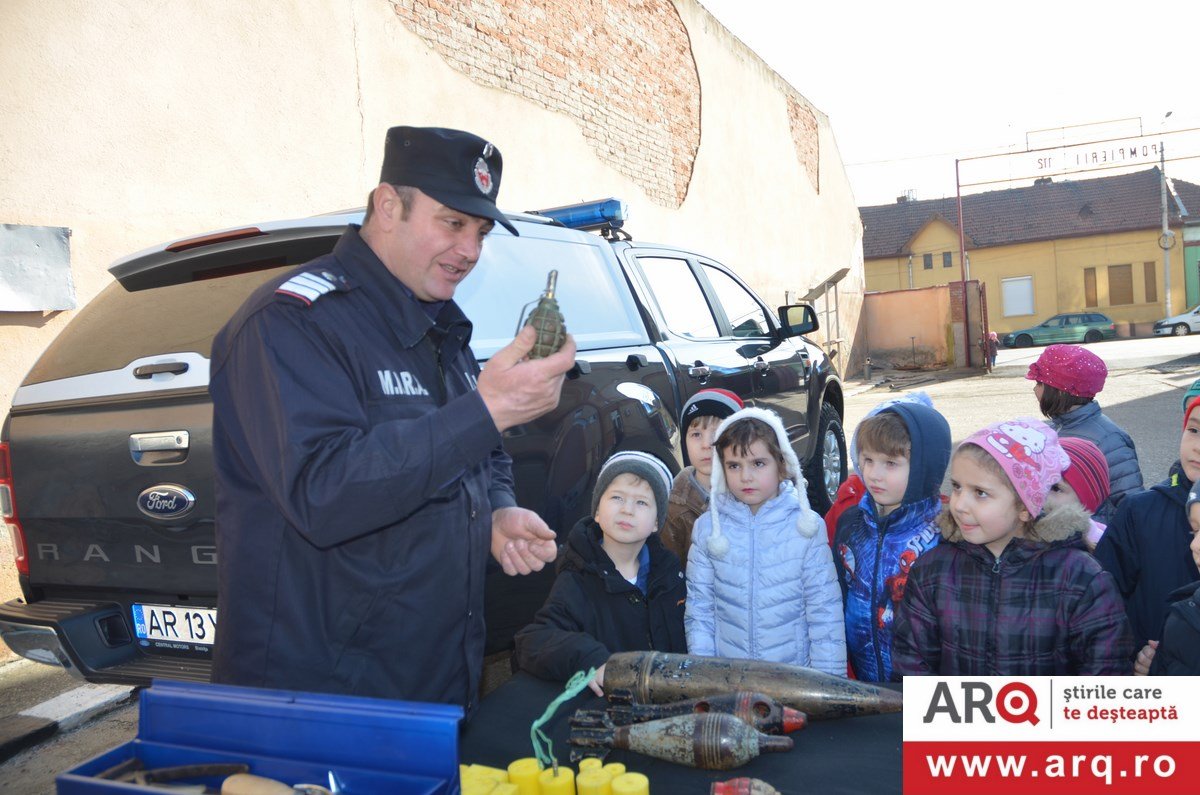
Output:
x,y
106,455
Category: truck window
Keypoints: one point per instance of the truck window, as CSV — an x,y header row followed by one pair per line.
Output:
x,y
591,292
746,315
679,297
119,326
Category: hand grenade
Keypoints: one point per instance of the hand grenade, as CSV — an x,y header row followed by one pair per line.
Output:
x,y
548,321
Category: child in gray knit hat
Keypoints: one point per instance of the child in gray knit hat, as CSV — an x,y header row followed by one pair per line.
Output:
x,y
761,583
618,588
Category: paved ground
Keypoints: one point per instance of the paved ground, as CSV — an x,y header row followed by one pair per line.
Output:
x,y
1143,393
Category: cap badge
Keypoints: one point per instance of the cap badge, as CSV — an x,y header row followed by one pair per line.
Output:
x,y
488,149
483,176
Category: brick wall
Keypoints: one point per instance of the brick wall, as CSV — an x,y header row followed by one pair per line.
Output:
x,y
624,72
804,135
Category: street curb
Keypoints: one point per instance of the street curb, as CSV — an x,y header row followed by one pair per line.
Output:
x,y
18,732
61,713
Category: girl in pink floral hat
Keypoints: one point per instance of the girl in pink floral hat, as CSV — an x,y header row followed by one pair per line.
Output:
x,y
1068,378
1011,591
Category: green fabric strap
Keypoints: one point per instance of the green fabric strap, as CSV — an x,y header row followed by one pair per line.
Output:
x,y
575,685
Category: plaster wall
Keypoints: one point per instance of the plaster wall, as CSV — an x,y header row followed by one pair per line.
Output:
x,y
909,328
133,122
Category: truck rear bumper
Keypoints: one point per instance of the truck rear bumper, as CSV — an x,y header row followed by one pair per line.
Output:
x,y
87,639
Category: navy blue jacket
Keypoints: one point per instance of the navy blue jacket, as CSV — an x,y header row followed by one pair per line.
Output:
x,y
593,611
873,555
1179,650
1147,550
1124,472
356,472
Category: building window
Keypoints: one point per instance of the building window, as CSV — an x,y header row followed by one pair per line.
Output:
x,y
928,262
1016,296
947,259
1151,272
1089,287
1120,285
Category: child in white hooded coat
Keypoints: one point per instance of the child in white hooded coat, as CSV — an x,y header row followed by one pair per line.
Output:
x,y
760,575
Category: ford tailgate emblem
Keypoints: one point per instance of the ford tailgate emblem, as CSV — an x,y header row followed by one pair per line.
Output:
x,y
165,501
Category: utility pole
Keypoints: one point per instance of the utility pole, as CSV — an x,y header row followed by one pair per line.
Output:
x,y
1165,241
962,264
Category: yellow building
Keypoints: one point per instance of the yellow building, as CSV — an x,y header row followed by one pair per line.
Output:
x,y
1045,249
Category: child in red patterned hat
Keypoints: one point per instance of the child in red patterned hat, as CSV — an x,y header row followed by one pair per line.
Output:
x,y
1068,379
1084,483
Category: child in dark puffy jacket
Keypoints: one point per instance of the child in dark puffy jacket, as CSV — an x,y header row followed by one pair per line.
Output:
x,y
902,457
1068,379
1010,591
1179,652
618,588
1146,545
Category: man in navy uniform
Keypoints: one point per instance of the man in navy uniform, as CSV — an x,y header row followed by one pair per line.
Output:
x,y
361,482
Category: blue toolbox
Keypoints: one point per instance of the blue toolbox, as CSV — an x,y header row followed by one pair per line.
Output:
x,y
367,746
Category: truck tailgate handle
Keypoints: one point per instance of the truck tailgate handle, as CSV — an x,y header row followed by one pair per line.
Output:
x,y
150,370
699,370
761,365
159,447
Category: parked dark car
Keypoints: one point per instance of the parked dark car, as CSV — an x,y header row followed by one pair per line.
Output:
x,y
1067,327
106,460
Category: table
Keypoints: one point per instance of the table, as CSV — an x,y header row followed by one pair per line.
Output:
x,y
852,755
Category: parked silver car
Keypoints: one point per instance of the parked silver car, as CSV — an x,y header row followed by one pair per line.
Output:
x,y
1179,325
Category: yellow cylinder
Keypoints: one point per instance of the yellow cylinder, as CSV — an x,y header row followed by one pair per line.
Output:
x,y
562,784
593,782
631,784
483,771
591,763
524,773
614,769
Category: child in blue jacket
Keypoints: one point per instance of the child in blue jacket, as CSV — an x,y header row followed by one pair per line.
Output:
x,y
902,457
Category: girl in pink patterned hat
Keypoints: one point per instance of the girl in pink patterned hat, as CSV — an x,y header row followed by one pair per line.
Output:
x,y
1068,378
1011,591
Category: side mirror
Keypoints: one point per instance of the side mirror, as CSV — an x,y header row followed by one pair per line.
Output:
x,y
797,319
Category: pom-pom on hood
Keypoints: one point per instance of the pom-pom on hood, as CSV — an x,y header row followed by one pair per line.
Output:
x,y
807,523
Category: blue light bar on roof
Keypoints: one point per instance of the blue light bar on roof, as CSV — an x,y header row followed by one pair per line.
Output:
x,y
590,215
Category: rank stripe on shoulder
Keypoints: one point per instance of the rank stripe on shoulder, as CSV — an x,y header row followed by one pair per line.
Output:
x,y
308,287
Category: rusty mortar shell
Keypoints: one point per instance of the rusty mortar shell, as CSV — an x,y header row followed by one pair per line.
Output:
x,y
547,320
710,740
661,678
760,711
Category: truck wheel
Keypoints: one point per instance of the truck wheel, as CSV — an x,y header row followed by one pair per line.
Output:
x,y
826,470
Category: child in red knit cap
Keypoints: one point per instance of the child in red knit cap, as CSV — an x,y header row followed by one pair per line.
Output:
x,y
1084,483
